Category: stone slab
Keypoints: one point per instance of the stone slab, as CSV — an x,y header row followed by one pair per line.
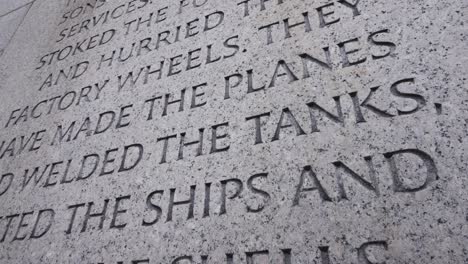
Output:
x,y
211,131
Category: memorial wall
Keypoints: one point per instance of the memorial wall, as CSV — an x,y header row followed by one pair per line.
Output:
x,y
233,132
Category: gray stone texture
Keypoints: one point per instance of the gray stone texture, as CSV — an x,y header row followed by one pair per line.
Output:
x,y
339,140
